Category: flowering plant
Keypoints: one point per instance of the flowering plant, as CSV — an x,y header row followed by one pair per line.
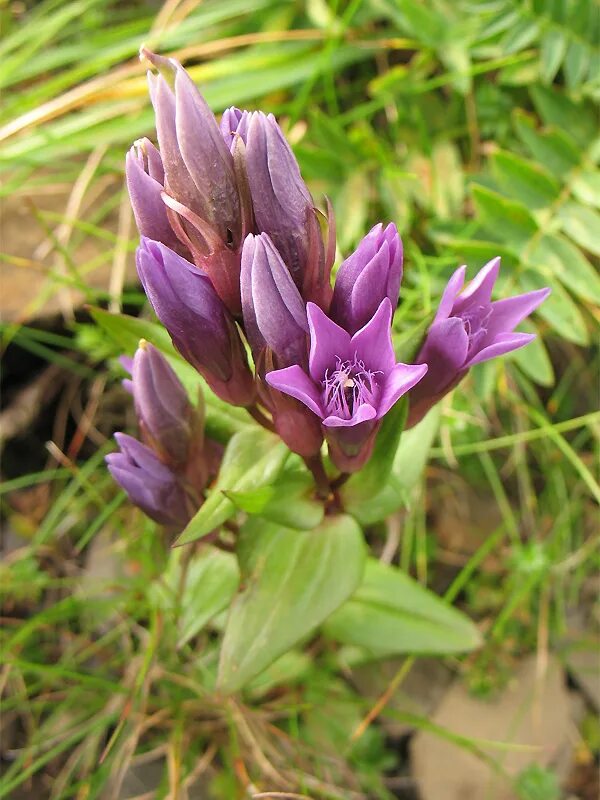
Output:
x,y
236,261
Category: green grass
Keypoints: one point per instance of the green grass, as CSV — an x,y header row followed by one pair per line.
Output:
x,y
470,124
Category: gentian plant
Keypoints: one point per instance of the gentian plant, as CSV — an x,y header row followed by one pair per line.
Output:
x,y
302,388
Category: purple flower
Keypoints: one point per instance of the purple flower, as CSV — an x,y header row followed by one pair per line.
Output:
x,y
352,382
234,126
283,207
150,484
468,329
372,272
200,326
274,313
201,188
166,417
145,182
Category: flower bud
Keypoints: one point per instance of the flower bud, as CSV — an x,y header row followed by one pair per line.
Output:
x,y
274,313
145,182
234,126
372,272
201,190
200,326
149,483
284,209
165,414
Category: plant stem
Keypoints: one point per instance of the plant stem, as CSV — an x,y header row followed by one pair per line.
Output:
x,y
259,417
315,465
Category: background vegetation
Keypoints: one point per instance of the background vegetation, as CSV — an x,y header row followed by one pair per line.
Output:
x,y
472,125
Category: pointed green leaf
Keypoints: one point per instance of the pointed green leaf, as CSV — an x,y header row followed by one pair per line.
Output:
x,y
506,219
293,580
582,225
586,187
558,309
568,264
409,463
552,52
524,180
534,359
209,583
253,458
365,483
391,613
289,501
553,148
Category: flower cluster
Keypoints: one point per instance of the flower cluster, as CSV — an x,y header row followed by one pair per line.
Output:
x,y
232,249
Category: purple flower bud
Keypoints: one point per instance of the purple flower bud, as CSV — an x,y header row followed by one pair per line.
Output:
x,y
201,187
165,414
200,326
284,209
150,484
145,182
372,272
352,382
274,313
234,125
468,329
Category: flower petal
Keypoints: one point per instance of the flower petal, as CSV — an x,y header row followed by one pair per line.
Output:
x,y
402,378
479,290
445,352
453,287
295,382
504,343
507,313
373,342
363,413
327,342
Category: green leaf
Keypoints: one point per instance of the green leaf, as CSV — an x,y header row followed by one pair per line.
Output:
x,y
553,148
391,613
568,264
558,309
293,581
586,187
211,580
559,110
525,180
552,52
222,419
289,501
534,359
508,220
582,225
366,482
409,463
253,458
576,64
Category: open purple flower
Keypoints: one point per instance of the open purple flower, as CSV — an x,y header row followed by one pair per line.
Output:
x,y
352,381
149,483
468,329
372,272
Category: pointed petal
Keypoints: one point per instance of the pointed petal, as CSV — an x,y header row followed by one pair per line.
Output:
x,y
327,342
507,313
450,294
445,352
373,343
479,291
363,413
295,382
402,378
504,343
